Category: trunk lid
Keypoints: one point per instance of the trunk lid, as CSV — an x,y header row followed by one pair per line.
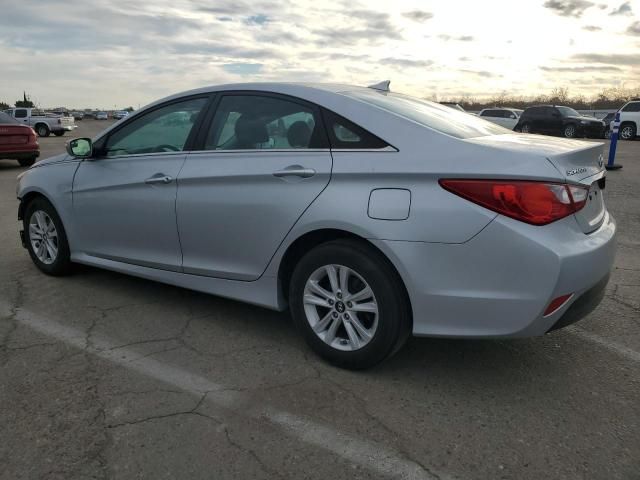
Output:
x,y
14,134
577,161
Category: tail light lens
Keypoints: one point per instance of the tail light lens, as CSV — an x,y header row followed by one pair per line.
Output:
x,y
537,203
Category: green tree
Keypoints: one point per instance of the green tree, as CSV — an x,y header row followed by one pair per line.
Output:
x,y
4,106
128,109
25,102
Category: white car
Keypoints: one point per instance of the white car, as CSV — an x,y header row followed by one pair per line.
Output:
x,y
506,117
629,120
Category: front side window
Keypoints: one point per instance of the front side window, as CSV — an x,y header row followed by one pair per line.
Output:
x,y
432,115
255,122
165,129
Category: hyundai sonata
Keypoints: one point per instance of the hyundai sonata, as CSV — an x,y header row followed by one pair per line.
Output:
x,y
370,215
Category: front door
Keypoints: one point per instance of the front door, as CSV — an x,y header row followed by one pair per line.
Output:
x,y
264,159
124,200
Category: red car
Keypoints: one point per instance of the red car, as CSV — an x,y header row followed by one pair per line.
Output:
x,y
17,141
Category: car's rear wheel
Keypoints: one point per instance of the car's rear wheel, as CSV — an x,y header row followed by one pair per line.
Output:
x,y
59,133
627,131
46,238
349,304
525,128
27,162
42,130
570,130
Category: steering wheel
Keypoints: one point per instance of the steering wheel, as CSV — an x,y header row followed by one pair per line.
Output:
x,y
166,147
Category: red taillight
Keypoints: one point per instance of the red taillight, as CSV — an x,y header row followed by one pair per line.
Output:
x,y
537,203
556,303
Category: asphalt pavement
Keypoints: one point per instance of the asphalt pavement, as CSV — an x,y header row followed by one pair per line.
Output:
x,y
107,376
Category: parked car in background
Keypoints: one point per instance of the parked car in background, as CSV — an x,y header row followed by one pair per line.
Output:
x,y
43,123
629,120
370,215
120,114
89,115
102,116
77,115
559,120
17,141
506,117
453,105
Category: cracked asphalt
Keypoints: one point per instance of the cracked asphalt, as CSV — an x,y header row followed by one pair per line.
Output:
x,y
104,376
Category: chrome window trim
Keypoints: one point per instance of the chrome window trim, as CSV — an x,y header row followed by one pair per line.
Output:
x,y
150,154
295,150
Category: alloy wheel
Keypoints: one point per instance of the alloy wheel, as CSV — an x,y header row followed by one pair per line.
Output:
x,y
43,237
626,132
340,307
570,131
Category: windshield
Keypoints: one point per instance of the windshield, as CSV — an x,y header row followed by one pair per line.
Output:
x,y
6,118
568,112
433,115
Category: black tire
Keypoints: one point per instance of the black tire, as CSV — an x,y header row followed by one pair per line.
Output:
x,y
627,131
394,313
42,130
525,128
62,263
27,162
59,133
570,130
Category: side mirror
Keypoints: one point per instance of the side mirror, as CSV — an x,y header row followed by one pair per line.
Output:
x,y
80,147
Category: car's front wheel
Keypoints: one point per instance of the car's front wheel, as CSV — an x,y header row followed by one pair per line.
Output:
x,y
349,304
46,238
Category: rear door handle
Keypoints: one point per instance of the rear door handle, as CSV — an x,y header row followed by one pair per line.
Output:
x,y
295,171
158,178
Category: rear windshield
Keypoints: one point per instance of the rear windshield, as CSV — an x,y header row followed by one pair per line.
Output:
x,y
433,115
6,118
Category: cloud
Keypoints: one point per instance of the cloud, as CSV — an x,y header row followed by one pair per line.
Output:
x,y
592,28
373,27
623,59
463,38
405,62
242,68
259,19
623,9
481,73
634,28
418,15
583,69
568,8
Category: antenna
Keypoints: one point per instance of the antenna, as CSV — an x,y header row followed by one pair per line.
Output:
x,y
382,86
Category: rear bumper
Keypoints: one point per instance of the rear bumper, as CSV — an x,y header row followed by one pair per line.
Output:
x,y
583,306
499,283
19,155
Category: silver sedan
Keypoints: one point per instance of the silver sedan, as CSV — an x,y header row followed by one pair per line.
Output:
x,y
370,215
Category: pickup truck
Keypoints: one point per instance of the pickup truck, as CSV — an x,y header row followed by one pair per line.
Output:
x,y
43,123
629,120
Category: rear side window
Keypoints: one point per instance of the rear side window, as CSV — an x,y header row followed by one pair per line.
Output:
x,y
257,122
22,113
431,115
344,134
632,107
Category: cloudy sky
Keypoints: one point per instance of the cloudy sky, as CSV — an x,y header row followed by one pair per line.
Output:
x,y
115,53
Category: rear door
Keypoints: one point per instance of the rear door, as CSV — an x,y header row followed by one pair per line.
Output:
x,y
264,158
124,200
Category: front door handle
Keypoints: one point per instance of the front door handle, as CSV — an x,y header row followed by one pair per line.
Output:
x,y
158,178
295,171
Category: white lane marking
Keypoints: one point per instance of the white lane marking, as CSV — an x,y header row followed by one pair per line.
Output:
x,y
367,454
603,342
